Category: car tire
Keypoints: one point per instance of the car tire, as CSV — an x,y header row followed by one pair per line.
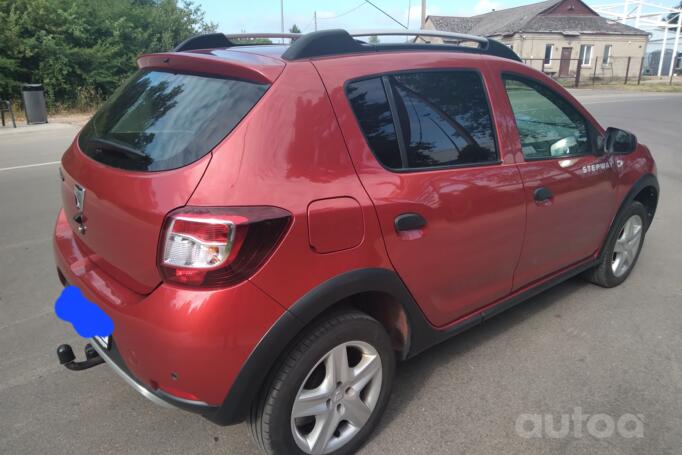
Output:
x,y
622,248
308,369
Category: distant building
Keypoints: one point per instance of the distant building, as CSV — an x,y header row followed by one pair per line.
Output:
x,y
555,35
654,57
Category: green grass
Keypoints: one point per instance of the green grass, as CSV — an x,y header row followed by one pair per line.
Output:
x,y
645,86
648,87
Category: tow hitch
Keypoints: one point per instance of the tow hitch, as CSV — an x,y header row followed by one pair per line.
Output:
x,y
68,359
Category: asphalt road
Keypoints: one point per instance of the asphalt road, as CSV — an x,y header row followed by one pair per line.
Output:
x,y
615,352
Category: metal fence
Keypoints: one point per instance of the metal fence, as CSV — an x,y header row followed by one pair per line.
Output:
x,y
574,72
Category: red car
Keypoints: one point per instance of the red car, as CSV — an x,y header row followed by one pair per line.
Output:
x,y
272,227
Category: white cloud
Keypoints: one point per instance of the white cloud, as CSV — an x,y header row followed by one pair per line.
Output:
x,y
326,14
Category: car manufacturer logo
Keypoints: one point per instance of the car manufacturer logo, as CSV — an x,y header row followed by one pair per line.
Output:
x,y
79,194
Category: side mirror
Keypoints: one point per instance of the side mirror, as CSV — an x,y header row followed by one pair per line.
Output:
x,y
619,141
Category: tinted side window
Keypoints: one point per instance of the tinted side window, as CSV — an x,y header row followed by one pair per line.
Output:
x,y
372,110
548,125
444,117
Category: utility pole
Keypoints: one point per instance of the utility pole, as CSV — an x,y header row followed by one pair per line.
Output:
x,y
315,19
421,25
673,58
626,4
664,47
409,10
281,16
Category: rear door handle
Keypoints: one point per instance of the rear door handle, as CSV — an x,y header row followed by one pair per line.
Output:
x,y
542,194
409,222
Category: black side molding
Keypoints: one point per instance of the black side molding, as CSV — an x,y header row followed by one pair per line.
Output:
x,y
423,335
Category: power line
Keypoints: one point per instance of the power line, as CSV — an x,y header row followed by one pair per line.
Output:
x,y
386,14
307,25
356,7
409,8
344,13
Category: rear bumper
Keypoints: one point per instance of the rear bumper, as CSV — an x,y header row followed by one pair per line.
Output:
x,y
113,359
179,346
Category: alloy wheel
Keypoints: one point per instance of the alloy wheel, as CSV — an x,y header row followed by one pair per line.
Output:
x,y
337,398
627,246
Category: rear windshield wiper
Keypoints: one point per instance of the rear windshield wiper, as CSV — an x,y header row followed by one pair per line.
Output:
x,y
113,146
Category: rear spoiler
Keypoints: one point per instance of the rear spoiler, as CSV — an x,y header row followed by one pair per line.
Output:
x,y
241,65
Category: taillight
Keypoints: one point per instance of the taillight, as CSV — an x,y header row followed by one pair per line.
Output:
x,y
215,247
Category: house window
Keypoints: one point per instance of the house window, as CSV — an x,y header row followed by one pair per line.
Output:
x,y
585,54
548,53
606,59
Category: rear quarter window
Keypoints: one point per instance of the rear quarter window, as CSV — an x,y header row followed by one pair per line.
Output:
x,y
370,104
161,120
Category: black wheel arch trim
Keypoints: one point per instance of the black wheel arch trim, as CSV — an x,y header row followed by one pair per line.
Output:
x,y
287,328
253,374
647,180
274,343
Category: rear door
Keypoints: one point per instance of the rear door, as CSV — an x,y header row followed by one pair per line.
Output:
x,y
569,185
141,156
425,148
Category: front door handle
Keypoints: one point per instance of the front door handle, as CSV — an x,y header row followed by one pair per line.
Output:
x,y
542,194
409,222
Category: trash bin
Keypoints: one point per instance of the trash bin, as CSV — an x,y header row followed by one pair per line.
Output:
x,y
34,103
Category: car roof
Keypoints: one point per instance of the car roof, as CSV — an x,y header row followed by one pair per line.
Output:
x,y
339,43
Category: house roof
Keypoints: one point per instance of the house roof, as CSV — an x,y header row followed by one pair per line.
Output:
x,y
582,24
530,18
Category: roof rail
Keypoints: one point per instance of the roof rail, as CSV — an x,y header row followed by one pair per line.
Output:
x,y
216,40
291,36
338,42
417,33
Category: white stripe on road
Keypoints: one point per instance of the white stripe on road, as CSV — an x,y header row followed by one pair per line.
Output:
x,y
29,165
620,100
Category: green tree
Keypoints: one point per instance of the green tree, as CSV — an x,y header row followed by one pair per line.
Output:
x,y
374,39
81,50
294,29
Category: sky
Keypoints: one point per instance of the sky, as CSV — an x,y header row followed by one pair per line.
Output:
x,y
234,16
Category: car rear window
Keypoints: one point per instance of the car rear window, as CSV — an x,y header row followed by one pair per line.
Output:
x,y
161,120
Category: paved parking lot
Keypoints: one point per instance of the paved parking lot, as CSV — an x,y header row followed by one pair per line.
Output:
x,y
612,352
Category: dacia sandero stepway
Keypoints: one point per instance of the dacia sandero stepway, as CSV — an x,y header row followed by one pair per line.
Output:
x,y
272,227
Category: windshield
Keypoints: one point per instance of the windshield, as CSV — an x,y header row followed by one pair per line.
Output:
x,y
159,120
